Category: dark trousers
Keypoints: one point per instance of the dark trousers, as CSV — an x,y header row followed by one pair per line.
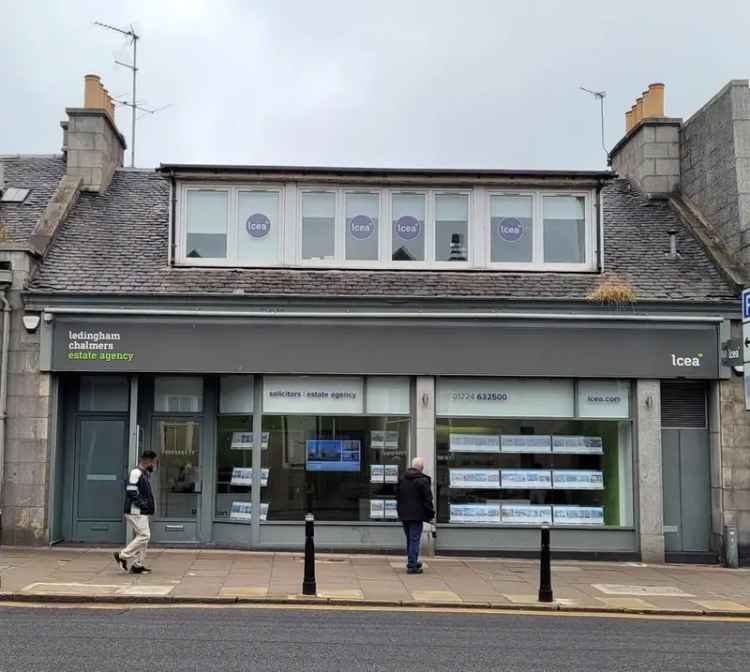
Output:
x,y
413,532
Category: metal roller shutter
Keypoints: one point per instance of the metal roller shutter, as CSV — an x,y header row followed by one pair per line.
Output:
x,y
683,404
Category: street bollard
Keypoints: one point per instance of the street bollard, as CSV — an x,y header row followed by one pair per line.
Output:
x,y
309,586
545,571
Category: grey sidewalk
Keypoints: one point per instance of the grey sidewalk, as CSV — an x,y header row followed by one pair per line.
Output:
x,y
207,575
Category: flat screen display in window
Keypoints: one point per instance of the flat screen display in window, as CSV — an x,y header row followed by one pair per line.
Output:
x,y
332,455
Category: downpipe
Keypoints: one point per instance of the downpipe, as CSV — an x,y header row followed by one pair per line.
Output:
x,y
4,391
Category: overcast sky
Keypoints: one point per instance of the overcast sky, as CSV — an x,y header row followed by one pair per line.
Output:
x,y
421,83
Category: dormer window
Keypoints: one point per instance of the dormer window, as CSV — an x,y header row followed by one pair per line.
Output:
x,y
342,226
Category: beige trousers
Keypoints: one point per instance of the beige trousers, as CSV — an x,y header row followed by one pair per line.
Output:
x,y
136,549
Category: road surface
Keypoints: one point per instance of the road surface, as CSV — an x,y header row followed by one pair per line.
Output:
x,y
290,640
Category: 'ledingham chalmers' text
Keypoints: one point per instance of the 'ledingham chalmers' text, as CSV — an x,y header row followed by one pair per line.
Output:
x,y
92,340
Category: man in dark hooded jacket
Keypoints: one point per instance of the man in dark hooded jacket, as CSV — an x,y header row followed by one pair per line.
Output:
x,y
415,507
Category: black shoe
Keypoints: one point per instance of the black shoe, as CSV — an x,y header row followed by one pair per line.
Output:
x,y
139,569
414,570
419,566
120,561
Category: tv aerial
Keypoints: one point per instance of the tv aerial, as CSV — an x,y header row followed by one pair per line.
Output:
x,y
600,95
133,37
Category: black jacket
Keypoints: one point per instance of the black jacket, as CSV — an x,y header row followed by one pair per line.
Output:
x,y
414,496
138,491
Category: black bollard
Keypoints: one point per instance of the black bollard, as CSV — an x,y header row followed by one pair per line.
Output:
x,y
309,586
545,571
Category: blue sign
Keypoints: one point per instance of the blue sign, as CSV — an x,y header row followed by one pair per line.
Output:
x,y
510,229
407,227
332,455
746,304
258,225
361,227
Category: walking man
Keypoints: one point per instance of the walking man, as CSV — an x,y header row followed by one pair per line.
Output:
x,y
415,507
139,505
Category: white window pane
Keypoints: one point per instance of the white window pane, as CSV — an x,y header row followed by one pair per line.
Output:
x,y
511,228
259,228
564,229
178,394
451,227
206,221
236,394
318,221
387,395
362,213
408,227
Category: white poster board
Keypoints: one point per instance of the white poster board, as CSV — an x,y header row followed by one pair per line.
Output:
x,y
474,443
475,513
475,478
244,440
384,440
390,509
577,445
391,473
526,514
526,479
578,515
377,509
577,479
377,473
521,443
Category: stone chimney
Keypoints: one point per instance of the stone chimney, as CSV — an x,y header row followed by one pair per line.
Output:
x,y
715,166
92,144
649,153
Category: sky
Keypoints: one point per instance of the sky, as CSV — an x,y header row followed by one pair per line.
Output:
x,y
406,83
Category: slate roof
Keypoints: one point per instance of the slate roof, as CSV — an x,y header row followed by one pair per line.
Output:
x,y
116,243
41,174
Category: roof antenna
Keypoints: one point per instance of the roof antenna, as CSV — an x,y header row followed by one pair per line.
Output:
x,y
601,95
133,104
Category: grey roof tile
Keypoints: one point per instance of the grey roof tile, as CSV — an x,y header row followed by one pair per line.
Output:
x,y
116,243
41,174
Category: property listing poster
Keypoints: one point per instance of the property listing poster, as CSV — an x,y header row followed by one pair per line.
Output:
x,y
475,478
527,479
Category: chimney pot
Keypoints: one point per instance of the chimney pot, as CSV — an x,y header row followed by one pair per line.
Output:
x,y
91,84
639,108
656,96
628,120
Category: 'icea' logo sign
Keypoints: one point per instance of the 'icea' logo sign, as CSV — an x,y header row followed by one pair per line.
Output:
x,y
687,361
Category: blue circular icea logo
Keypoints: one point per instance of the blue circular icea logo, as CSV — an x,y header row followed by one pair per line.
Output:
x,y
258,225
361,227
510,229
407,227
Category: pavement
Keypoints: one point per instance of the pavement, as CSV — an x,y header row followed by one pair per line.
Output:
x,y
223,577
112,638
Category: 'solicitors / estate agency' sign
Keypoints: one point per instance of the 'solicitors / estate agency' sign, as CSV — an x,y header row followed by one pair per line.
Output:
x,y
397,346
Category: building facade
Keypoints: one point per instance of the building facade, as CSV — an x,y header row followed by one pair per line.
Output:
x,y
287,339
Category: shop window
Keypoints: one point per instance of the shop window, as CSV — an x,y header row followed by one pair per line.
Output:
x,y
511,228
564,229
103,394
408,212
318,225
178,394
259,227
206,219
451,227
501,462
336,446
234,462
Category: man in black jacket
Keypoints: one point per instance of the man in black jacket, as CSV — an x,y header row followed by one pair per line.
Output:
x,y
415,507
139,506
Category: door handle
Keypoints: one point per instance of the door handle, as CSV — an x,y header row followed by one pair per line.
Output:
x,y
174,528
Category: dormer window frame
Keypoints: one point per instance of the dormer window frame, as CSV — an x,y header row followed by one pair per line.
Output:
x,y
288,229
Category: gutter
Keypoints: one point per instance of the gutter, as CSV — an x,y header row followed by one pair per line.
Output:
x,y
461,315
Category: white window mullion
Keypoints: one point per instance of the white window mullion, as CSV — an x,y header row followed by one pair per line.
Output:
x,y
339,227
538,227
386,227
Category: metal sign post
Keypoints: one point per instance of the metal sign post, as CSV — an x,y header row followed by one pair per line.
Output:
x,y
746,344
